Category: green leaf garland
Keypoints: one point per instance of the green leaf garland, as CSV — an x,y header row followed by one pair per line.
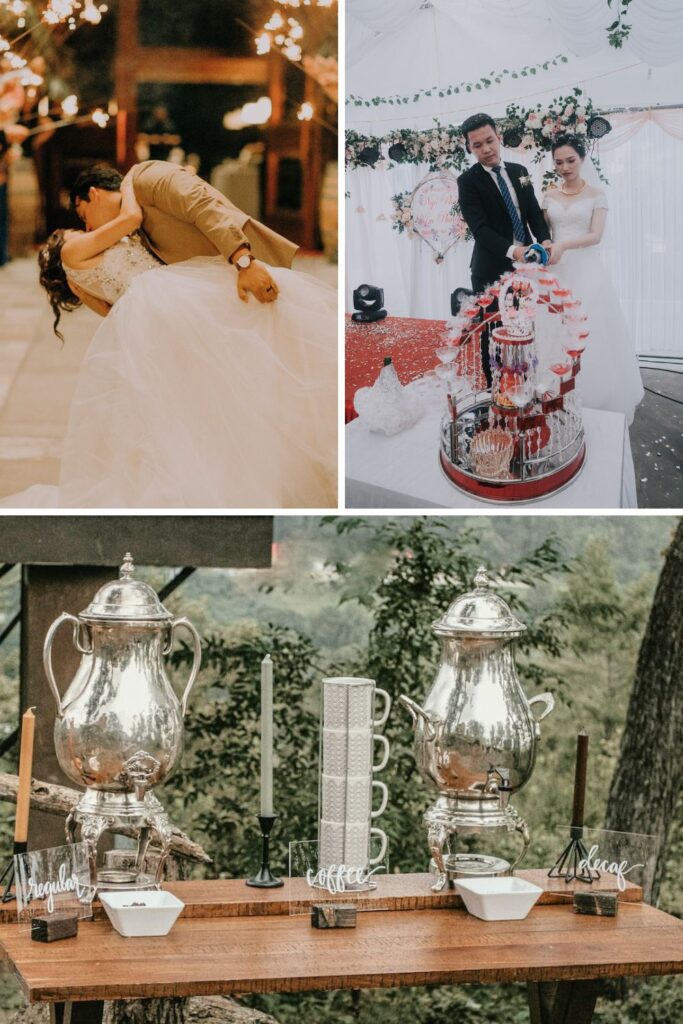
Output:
x,y
485,82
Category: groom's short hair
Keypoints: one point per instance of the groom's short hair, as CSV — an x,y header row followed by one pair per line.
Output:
x,y
474,122
100,176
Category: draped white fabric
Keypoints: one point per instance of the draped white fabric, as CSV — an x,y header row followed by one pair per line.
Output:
x,y
641,247
580,26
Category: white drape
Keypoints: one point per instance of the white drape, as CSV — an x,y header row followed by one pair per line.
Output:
x,y
656,36
641,245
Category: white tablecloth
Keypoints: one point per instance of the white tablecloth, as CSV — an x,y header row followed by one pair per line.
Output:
x,y
403,471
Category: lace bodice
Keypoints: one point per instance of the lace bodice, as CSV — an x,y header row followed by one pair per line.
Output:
x,y
119,265
572,218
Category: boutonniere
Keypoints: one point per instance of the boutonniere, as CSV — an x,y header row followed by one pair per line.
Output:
x,y
525,180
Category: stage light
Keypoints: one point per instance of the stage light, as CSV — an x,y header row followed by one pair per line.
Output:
x,y
458,298
598,127
368,301
512,136
398,152
369,155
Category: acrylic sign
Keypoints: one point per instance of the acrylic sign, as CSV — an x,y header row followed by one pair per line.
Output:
x,y
52,881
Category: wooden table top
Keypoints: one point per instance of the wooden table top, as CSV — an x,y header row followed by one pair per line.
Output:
x,y
283,953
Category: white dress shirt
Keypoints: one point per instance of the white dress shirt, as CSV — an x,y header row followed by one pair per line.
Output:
x,y
506,177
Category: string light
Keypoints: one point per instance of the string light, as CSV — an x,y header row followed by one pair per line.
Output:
x,y
100,117
305,112
286,36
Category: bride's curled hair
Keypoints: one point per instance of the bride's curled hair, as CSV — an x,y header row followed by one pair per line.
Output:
x,y
53,279
570,140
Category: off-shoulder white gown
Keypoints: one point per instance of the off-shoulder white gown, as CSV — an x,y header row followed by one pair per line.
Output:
x,y
609,378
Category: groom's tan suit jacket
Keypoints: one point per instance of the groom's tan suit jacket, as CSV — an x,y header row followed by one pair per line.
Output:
x,y
183,217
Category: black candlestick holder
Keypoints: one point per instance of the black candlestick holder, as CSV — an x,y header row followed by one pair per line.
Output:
x,y
7,877
265,879
568,864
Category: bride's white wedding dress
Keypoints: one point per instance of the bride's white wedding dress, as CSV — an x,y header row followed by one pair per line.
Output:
x,y
609,377
190,397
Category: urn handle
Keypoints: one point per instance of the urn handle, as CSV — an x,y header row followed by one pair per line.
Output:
x,y
549,702
47,653
197,648
417,712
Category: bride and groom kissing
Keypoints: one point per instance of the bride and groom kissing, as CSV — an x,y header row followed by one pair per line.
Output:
x,y
211,381
498,202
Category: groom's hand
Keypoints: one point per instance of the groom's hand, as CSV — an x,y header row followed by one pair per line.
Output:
x,y
256,279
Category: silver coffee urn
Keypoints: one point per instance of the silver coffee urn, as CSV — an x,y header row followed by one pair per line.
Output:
x,y
476,735
119,725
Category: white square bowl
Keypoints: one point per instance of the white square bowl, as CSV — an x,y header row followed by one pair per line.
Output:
x,y
502,898
156,916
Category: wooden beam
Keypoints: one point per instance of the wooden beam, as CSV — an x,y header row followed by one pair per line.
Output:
x,y
179,64
219,542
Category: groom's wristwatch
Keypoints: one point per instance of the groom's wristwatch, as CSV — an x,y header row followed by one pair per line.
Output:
x,y
244,261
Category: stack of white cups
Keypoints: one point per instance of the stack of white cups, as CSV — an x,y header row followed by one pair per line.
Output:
x,y
347,785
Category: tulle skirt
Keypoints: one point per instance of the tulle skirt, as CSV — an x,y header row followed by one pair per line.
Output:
x,y
189,397
609,377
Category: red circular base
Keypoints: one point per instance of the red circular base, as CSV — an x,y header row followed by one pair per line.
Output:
x,y
514,490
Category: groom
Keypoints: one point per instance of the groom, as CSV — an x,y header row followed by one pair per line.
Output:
x,y
183,216
498,202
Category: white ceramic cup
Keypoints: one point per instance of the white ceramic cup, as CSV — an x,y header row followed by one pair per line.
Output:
x,y
349,799
349,701
349,844
349,752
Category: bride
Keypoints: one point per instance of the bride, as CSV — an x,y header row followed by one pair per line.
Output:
x,y
189,396
576,213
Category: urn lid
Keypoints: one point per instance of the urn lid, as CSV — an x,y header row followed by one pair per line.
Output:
x,y
479,613
127,598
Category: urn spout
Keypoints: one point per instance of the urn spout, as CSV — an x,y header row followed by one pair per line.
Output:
x,y
416,713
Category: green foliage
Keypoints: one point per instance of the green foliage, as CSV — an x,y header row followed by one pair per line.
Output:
x,y
618,32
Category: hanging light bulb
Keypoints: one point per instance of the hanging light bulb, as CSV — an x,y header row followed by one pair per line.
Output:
x,y
100,117
263,44
258,112
70,105
305,112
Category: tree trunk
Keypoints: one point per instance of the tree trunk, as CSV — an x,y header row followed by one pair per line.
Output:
x,y
647,782
54,799
210,1010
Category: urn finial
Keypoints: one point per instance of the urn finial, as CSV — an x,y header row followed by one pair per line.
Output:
x,y
127,569
481,579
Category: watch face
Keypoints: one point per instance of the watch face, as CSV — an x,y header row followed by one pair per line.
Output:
x,y
243,262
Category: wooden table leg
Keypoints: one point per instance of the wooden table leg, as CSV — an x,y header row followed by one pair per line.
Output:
x,y
563,1002
76,1013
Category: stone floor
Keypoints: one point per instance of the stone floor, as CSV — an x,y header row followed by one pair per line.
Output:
x,y
657,441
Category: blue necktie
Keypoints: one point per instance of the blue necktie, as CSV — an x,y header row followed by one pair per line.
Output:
x,y
520,232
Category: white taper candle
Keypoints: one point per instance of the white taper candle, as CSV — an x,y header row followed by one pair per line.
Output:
x,y
266,737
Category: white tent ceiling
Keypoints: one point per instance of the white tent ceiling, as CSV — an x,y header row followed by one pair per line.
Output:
x,y
400,46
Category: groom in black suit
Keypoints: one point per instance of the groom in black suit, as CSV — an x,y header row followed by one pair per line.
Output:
x,y
498,202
